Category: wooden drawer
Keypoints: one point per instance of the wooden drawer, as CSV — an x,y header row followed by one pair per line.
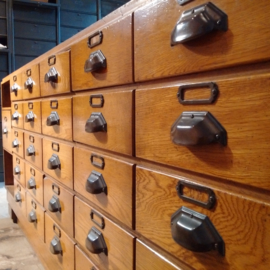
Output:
x,y
241,222
82,261
33,149
59,203
55,234
155,57
57,118
35,215
19,197
117,110
30,80
6,130
19,169
55,74
117,67
16,87
17,114
58,161
32,116
34,182
247,142
17,142
118,243
97,179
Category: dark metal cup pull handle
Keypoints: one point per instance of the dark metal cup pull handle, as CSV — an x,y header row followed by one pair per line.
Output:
x,y
94,162
98,105
98,34
57,230
56,189
52,60
96,123
95,183
54,204
183,2
101,224
95,242
28,72
96,62
55,246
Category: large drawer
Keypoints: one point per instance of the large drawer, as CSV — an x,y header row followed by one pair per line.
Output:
x,y
107,60
116,250
105,120
19,169
16,87
19,197
82,261
32,119
6,130
17,115
17,142
239,109
241,223
154,26
98,180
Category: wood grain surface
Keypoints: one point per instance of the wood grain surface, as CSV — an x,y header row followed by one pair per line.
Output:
x,y
34,75
16,77
82,261
35,107
6,123
18,134
18,161
17,107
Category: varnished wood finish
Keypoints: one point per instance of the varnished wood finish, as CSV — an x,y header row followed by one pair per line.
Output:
x,y
35,107
64,111
242,224
32,73
118,113
6,124
18,188
65,217
16,77
118,56
118,176
18,134
17,161
17,107
64,174
120,244
62,65
82,261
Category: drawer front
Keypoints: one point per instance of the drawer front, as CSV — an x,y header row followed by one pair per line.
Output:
x,y
117,243
82,261
30,81
115,66
6,130
32,116
155,57
55,74
34,182
59,204
16,87
19,169
58,161
247,142
57,118
98,180
17,115
240,222
19,197
54,234
33,149
115,131
17,142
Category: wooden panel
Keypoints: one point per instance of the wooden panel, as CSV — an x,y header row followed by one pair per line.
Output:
x,y
18,135
242,111
156,58
32,73
63,107
18,188
82,261
118,56
62,65
119,243
16,78
17,107
19,162
64,174
6,124
118,113
118,176
35,107
65,217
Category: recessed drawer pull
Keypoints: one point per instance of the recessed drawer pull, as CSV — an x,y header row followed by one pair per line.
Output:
x,y
95,183
15,143
55,246
95,242
30,151
31,183
15,116
30,117
14,88
194,231
29,84
17,170
51,75
96,123
54,204
54,162
183,2
95,62
197,128
53,119
198,21
5,131
95,39
32,217
18,197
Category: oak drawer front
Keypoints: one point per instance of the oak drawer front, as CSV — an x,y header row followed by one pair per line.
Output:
x,y
6,130
63,255
117,66
34,182
33,149
57,118
58,161
82,261
35,215
116,243
17,142
30,82
59,204
55,74
19,169
158,111
16,87
32,116
102,180
240,222
108,126
156,58
19,197
17,116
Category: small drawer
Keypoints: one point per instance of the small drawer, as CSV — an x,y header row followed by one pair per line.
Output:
x,y
30,81
32,116
58,161
16,87
115,247
6,130
17,115
82,261
19,197
55,74
33,149
59,203
103,59
60,245
57,118
105,120
19,169
35,216
17,142
34,182
102,179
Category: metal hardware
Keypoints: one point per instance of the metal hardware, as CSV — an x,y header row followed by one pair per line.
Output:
x,y
54,162
5,131
30,151
197,128
14,78
30,117
29,84
18,160
95,183
30,105
100,104
55,246
52,60
99,41
16,133
54,204
183,2
53,119
194,231
28,72
95,62
15,143
18,197
213,89
31,138
32,217
5,118
32,171
18,187
102,222
55,147
54,104
17,170
57,230
31,183
16,106
34,205
198,21
15,116
95,242
94,162
51,75
14,88
96,123
56,189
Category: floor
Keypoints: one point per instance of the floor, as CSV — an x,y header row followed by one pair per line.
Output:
x,y
15,251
